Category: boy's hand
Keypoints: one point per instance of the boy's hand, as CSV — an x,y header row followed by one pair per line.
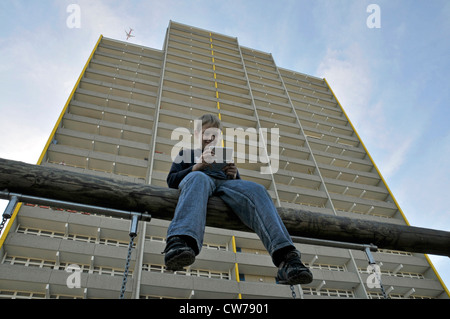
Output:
x,y
207,159
231,170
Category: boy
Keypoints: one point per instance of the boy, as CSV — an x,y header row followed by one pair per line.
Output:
x,y
250,201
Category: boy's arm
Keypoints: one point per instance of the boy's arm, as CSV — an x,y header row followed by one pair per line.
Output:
x,y
178,171
176,175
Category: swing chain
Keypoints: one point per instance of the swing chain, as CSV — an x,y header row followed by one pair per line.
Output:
x,y
378,278
7,214
294,295
375,272
2,224
127,266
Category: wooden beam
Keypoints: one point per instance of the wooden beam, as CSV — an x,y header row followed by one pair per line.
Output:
x,y
66,185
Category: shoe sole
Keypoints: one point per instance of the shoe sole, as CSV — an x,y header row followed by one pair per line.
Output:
x,y
181,260
303,277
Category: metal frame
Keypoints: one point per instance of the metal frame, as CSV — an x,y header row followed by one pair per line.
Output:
x,y
333,243
15,198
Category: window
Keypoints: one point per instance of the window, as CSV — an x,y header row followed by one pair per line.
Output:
x,y
74,237
398,274
328,267
14,294
29,262
214,246
101,270
213,274
83,268
339,293
39,232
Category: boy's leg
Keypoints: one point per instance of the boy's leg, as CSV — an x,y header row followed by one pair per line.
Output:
x,y
186,231
190,214
253,205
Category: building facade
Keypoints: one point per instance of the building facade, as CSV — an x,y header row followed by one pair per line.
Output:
x,y
119,122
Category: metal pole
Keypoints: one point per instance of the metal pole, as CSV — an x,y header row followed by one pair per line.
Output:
x,y
332,243
338,244
70,205
369,256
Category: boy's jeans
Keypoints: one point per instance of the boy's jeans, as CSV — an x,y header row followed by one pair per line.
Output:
x,y
248,200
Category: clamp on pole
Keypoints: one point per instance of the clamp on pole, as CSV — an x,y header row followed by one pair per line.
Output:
x,y
134,225
9,210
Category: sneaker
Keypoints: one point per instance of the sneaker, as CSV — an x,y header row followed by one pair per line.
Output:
x,y
292,271
178,254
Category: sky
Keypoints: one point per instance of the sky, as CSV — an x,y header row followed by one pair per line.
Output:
x,y
387,64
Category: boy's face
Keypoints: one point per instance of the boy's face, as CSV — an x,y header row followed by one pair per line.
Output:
x,y
210,135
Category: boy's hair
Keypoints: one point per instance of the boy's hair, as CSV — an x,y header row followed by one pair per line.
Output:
x,y
209,119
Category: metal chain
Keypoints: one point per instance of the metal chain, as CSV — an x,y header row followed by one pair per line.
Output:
x,y
378,277
3,223
127,266
294,295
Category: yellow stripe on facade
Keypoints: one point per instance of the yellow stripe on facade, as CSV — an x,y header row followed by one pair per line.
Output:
x,y
9,225
215,80
67,104
52,134
236,267
385,184
368,154
437,275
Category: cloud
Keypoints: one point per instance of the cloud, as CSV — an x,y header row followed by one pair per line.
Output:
x,y
423,184
397,156
443,266
348,73
379,115
37,72
99,17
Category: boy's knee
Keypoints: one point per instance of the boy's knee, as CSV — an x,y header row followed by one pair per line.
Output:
x,y
195,177
257,187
